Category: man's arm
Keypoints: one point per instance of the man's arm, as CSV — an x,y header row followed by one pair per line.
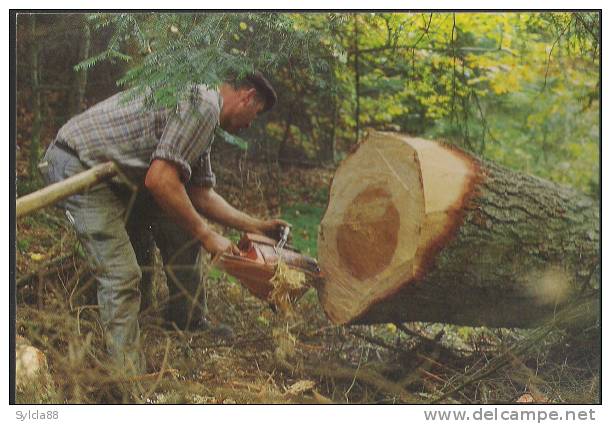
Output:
x,y
163,181
211,204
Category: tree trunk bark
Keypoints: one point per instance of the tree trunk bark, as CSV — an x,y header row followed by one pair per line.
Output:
x,y
287,132
36,104
80,78
326,153
357,76
419,231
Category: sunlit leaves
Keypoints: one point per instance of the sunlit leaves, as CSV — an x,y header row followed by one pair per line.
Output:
x,y
521,88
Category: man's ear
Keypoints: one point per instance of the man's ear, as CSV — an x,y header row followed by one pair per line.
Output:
x,y
251,93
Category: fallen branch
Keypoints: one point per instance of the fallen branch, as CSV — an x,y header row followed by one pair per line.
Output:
x,y
432,344
363,374
425,364
62,189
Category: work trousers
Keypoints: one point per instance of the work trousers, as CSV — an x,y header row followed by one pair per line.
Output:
x,y
118,229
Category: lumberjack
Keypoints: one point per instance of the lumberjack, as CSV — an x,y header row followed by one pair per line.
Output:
x,y
167,154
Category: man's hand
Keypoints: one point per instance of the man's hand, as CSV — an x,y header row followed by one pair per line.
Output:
x,y
272,228
212,205
216,244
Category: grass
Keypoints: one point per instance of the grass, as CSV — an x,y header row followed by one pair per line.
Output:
x,y
305,219
216,275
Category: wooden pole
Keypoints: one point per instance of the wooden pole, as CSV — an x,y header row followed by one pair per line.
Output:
x,y
60,190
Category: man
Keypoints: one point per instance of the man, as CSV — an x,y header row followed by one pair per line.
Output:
x,y
166,155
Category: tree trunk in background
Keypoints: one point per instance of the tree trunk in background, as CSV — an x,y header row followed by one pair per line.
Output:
x,y
326,153
419,231
334,132
285,137
36,106
80,79
357,77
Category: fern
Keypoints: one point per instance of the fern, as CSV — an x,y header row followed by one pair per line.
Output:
x,y
178,51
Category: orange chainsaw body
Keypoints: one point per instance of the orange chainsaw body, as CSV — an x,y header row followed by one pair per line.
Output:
x,y
256,264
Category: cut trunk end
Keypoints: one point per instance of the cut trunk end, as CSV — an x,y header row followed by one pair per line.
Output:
x,y
419,231
394,203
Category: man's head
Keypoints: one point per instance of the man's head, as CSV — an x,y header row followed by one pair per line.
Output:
x,y
244,100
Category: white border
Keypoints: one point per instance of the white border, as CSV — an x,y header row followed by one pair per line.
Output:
x,y
293,414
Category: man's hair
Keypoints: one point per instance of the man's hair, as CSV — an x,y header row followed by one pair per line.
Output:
x,y
265,92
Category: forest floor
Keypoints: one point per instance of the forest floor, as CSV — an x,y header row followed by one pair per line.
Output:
x,y
304,359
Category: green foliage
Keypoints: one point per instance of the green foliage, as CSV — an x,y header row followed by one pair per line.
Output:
x,y
305,219
519,88
23,244
216,275
173,52
232,139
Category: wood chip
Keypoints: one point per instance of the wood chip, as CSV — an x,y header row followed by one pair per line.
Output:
x,y
299,387
526,398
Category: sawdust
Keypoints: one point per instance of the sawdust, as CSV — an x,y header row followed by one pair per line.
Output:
x,y
287,284
285,344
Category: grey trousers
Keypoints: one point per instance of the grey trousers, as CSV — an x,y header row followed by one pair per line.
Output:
x,y
118,237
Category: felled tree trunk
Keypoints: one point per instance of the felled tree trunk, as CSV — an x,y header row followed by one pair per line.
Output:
x,y
419,231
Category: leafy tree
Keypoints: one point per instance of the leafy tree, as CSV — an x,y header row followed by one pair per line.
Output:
x,y
519,88
172,52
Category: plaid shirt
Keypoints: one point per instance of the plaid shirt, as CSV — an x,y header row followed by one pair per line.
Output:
x,y
132,136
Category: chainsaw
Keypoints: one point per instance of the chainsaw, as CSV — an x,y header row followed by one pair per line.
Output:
x,y
256,264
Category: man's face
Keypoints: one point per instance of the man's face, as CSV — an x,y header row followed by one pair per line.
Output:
x,y
246,110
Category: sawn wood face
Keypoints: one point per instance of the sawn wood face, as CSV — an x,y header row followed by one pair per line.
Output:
x,y
419,231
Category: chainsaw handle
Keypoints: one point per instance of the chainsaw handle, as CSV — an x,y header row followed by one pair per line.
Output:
x,y
283,237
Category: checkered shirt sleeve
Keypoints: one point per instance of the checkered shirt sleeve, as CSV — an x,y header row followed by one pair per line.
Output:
x,y
202,172
187,137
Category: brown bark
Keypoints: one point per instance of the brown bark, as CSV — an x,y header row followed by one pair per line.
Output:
x,y
417,231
